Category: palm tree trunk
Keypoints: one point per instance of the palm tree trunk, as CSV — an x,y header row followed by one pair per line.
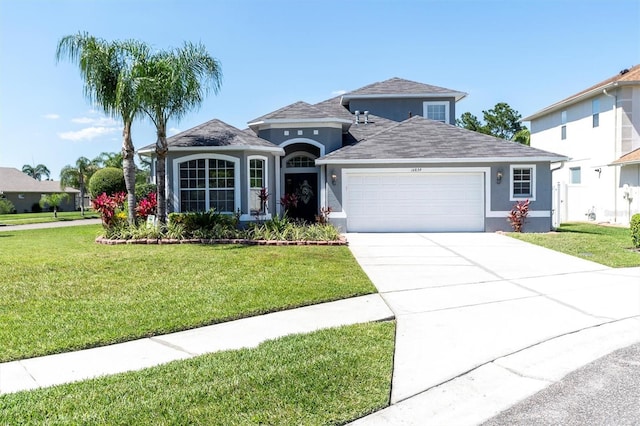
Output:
x,y
129,167
81,185
161,172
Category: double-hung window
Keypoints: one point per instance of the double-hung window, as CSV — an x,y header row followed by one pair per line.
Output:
x,y
436,110
576,175
563,129
257,181
523,184
595,112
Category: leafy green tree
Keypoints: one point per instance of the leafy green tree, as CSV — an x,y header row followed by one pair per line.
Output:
x,y
110,159
501,121
36,172
54,201
106,69
78,176
171,83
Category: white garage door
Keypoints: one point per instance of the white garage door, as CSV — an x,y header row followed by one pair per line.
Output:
x,y
414,202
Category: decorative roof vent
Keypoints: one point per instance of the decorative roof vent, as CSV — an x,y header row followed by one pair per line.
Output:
x,y
357,117
366,117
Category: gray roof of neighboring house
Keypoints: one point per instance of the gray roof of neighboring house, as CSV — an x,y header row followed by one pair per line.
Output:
x,y
215,134
13,180
401,87
423,140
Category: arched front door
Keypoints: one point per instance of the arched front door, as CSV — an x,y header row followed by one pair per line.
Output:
x,y
301,179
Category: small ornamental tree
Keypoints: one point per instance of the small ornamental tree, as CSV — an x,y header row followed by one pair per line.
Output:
x,y
108,180
518,214
53,201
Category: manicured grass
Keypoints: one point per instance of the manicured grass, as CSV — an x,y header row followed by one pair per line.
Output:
x,y
608,245
26,218
328,377
61,291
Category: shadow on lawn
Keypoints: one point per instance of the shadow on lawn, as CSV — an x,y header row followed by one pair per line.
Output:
x,y
593,229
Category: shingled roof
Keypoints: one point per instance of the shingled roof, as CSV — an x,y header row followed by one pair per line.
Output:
x,y
13,180
401,87
418,139
624,77
215,134
628,159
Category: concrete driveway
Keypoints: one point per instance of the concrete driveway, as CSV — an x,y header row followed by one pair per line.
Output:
x,y
485,320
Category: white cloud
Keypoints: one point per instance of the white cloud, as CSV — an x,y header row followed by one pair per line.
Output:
x,y
338,92
51,116
173,131
98,121
88,133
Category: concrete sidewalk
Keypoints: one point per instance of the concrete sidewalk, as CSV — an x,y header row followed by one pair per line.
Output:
x,y
61,224
485,320
135,355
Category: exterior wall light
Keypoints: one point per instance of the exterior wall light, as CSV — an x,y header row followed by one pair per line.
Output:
x,y
334,177
499,176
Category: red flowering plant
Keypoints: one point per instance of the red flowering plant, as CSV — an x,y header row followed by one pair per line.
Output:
x,y
147,206
108,206
263,195
518,214
289,201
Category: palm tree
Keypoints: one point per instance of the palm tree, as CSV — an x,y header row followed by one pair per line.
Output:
x,y
110,159
53,200
36,172
78,176
171,84
106,69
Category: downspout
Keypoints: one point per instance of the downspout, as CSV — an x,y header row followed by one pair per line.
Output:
x,y
559,197
615,153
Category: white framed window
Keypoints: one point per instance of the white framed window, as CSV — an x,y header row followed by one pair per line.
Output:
x,y
207,183
563,129
300,161
436,110
595,112
257,180
575,175
523,182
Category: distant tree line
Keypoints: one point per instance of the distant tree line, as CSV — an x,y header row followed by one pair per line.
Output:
x,y
501,121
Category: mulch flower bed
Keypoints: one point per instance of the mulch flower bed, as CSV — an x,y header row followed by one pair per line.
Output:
x,y
341,242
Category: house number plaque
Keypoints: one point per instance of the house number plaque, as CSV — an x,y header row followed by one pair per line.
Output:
x,y
416,170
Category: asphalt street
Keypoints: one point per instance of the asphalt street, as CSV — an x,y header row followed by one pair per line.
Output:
x,y
604,392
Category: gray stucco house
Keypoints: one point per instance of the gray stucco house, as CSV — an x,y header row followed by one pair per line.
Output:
x,y
24,191
384,158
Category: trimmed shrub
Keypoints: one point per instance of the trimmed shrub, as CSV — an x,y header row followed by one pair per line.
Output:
x,y
6,206
36,208
144,189
634,226
109,180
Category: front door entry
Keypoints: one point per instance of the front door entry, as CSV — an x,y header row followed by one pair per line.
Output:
x,y
305,187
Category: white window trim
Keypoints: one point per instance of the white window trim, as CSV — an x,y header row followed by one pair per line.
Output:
x,y
446,104
176,178
533,182
265,178
571,170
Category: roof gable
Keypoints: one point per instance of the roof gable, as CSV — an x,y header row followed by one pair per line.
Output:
x,y
400,87
215,134
421,139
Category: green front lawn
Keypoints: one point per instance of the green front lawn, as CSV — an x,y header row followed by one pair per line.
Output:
x,y
327,377
608,245
61,291
26,218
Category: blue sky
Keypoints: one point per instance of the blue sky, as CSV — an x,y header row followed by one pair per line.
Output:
x,y
273,53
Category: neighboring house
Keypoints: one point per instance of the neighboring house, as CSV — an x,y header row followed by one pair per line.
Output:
x,y
598,129
24,191
383,158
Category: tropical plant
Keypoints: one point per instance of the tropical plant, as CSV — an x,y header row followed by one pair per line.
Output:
x,y
78,176
518,214
106,68
170,84
147,206
108,206
6,206
109,180
110,159
53,200
634,227
36,172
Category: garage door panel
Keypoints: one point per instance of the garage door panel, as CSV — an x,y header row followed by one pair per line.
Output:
x,y
427,202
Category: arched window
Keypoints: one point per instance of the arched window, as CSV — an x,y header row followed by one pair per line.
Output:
x,y
207,183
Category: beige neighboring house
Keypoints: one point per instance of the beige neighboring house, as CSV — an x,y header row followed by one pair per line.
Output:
x,y
599,130
24,191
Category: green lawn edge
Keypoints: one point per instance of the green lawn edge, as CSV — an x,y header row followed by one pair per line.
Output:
x,y
331,376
